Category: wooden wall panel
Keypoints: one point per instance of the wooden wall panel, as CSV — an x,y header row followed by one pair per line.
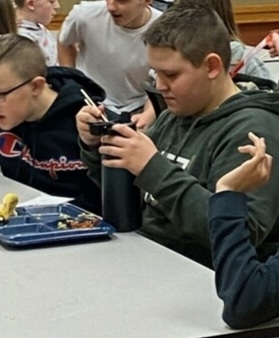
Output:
x,y
254,22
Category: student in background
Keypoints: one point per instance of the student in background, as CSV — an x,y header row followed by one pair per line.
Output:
x,y
194,142
38,134
111,52
7,17
33,17
249,288
224,8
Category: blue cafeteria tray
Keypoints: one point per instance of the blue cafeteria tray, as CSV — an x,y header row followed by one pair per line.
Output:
x,y
36,225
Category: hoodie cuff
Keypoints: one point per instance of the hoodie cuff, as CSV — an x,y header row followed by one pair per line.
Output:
x,y
228,204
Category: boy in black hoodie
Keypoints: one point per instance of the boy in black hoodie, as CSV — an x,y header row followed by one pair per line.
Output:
x,y
38,134
194,142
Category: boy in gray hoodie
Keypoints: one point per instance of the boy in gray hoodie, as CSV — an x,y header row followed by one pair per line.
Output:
x,y
194,142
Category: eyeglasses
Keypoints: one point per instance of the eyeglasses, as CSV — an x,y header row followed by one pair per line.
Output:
x,y
3,95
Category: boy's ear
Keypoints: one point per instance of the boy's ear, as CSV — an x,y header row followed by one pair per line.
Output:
x,y
30,4
214,65
38,84
148,2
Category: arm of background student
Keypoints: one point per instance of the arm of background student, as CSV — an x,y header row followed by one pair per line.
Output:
x,y
146,118
67,54
70,36
248,288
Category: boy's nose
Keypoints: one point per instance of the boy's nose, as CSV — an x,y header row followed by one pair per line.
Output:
x,y
56,5
111,5
160,84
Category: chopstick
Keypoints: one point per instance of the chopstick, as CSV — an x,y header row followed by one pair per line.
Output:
x,y
90,102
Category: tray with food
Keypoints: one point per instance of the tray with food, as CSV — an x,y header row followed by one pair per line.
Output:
x,y
34,225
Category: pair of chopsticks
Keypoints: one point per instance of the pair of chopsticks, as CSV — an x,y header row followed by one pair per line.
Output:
x,y
90,102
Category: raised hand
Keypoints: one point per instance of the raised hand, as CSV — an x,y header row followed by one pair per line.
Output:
x,y
252,173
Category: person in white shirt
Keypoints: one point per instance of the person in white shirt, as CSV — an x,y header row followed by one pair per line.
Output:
x,y
32,19
111,52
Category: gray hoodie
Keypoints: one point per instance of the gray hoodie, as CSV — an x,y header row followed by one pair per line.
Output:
x,y
193,154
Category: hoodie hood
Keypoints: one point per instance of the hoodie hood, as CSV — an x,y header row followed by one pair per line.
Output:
x,y
245,100
258,99
58,77
234,111
68,82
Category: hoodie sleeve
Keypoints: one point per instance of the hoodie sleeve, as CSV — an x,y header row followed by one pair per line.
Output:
x,y
248,288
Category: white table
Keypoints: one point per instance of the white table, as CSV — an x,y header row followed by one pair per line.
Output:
x,y
25,193
127,286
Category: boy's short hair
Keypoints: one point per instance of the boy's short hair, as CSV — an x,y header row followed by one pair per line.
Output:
x,y
194,31
23,56
224,9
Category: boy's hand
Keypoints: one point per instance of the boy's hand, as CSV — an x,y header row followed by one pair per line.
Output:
x,y
252,173
88,114
144,120
132,149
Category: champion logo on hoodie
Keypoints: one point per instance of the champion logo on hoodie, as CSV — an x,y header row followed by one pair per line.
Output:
x,y
11,146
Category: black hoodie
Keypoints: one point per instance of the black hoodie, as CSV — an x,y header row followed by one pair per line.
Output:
x,y
45,154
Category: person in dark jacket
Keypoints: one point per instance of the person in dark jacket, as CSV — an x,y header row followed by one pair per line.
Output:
x,y
194,142
38,134
248,287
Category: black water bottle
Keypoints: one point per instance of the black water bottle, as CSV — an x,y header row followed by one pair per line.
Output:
x,y
121,199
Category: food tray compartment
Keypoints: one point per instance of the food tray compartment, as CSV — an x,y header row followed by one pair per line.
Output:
x,y
21,220
51,212
23,229
39,224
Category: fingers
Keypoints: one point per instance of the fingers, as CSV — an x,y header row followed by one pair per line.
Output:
x,y
266,166
258,149
259,144
88,114
249,149
260,161
124,130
